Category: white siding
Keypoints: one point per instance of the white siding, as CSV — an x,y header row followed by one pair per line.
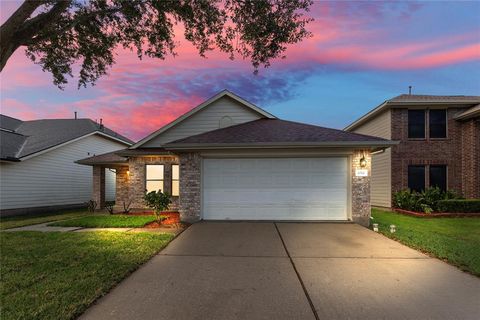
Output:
x,y
381,183
110,178
53,178
205,120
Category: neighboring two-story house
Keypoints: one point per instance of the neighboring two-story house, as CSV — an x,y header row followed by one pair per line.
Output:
x,y
439,145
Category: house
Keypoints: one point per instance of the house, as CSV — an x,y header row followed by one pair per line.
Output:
x,y
439,145
228,159
37,163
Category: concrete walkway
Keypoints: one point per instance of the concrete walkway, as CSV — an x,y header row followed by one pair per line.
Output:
x,y
44,227
290,271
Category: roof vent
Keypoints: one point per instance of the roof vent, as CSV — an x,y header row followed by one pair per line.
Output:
x,y
101,124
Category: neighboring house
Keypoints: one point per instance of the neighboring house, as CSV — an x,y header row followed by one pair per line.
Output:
x,y
439,145
227,159
37,162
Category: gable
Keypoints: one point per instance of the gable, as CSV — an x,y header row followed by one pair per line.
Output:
x,y
222,112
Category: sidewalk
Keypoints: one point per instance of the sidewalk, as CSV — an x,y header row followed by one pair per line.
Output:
x,y
44,227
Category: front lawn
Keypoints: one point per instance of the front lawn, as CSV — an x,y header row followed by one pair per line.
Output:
x,y
456,240
26,220
104,221
56,275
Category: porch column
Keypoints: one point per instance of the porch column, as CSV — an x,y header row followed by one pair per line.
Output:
x,y
99,186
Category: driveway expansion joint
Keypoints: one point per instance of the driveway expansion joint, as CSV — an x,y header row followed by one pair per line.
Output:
x,y
310,302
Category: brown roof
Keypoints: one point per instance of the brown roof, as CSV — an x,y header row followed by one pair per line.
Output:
x,y
120,156
106,158
432,98
277,132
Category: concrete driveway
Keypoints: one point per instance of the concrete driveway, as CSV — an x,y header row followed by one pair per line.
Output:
x,y
217,270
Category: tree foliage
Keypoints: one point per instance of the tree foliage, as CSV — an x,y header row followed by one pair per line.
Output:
x,y
59,34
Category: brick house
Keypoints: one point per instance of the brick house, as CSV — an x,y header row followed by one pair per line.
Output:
x,y
439,145
228,159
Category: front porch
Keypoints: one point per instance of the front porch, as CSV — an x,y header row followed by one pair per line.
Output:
x,y
134,176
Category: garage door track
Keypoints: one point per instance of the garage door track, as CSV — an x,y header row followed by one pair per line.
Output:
x,y
240,270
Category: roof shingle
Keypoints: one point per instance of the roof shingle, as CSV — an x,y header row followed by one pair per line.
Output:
x,y
24,138
275,131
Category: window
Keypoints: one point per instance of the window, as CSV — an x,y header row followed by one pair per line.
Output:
x,y
154,177
438,176
175,180
416,124
437,123
416,178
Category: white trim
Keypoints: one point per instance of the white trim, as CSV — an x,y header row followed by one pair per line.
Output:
x,y
200,107
470,113
71,141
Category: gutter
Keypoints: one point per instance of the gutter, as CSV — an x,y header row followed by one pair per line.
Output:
x,y
340,144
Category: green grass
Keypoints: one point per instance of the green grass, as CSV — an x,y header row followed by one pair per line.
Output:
x,y
455,240
57,275
104,221
20,221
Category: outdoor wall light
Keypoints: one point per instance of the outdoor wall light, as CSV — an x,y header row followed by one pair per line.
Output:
x,y
128,172
392,228
363,162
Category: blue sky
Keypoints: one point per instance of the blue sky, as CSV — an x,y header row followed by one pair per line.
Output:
x,y
361,54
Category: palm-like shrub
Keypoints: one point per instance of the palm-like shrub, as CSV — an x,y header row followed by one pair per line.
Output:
x,y
425,201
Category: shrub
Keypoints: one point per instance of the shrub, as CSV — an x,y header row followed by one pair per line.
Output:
x,y
407,199
425,201
459,205
91,205
126,207
109,206
158,201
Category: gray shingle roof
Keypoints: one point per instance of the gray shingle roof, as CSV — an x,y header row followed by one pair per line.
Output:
x,y
276,131
40,135
9,123
432,98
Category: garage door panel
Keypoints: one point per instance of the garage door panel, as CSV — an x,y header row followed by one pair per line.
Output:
x,y
275,189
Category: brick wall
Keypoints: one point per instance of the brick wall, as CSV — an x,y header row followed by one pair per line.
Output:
x,y
121,188
471,158
190,184
426,152
361,189
131,183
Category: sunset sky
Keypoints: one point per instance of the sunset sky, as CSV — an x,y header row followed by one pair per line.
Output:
x,y
360,54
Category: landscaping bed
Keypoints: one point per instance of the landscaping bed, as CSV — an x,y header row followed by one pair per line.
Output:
x,y
58,275
437,214
106,221
455,240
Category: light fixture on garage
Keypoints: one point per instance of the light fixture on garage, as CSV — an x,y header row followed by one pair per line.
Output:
x,y
363,162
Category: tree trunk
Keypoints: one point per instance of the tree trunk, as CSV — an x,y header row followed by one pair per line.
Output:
x,y
8,44
20,29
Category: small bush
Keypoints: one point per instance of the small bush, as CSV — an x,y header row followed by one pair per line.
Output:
x,y
158,201
91,205
459,205
109,206
425,201
126,207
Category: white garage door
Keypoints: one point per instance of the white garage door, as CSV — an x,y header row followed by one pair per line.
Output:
x,y
275,189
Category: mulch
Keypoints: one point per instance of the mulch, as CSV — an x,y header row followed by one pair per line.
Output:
x,y
437,214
